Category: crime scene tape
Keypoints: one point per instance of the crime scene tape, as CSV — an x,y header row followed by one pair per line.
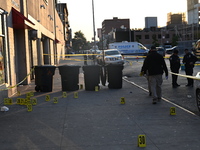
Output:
x,y
10,87
186,76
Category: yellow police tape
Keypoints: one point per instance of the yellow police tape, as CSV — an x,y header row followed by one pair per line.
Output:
x,y
186,76
10,87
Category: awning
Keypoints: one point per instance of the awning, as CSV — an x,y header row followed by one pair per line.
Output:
x,y
19,20
57,41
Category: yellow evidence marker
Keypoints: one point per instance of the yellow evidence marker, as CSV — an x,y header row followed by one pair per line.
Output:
x,y
75,94
28,95
47,98
18,101
141,140
122,101
96,88
172,111
55,100
34,101
29,107
64,95
8,101
21,101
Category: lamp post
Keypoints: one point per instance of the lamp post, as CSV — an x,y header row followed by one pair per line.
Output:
x,y
94,25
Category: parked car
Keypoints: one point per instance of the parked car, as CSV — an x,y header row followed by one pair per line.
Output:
x,y
111,56
198,90
161,51
179,48
170,50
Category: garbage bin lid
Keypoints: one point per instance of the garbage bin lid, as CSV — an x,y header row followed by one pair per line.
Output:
x,y
69,66
46,66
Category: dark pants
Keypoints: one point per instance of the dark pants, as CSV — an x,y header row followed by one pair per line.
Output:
x,y
174,77
189,71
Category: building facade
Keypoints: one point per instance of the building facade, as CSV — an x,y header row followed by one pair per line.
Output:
x,y
151,22
31,34
193,9
115,23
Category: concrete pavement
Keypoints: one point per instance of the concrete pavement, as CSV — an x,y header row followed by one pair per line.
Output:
x,y
97,121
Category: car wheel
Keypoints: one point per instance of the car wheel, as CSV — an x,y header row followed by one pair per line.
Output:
x,y
198,98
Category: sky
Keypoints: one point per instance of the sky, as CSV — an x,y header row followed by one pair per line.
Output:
x,y
81,15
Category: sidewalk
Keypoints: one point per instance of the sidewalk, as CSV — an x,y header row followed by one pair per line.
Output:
x,y
97,121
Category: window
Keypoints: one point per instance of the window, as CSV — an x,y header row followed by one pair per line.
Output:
x,y
2,46
146,36
167,36
138,37
2,77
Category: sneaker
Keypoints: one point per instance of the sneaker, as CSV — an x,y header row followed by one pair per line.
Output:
x,y
159,99
154,101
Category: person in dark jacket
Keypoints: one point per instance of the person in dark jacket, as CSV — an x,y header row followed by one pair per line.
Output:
x,y
147,76
155,65
174,66
189,60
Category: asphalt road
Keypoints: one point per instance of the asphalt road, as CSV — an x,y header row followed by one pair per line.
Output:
x,y
182,96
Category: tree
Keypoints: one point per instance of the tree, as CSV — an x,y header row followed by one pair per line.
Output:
x,y
174,40
155,40
79,42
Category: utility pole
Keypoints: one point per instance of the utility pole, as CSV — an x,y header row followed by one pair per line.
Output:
x,y
94,25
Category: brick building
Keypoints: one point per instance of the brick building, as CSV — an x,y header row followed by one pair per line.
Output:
x,y
31,34
115,23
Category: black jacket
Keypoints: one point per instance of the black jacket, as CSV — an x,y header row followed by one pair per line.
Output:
x,y
189,60
154,64
174,63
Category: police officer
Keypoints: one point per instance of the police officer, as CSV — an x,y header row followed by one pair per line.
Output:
x,y
189,60
174,66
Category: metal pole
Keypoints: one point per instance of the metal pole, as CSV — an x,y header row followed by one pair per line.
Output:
x,y
94,25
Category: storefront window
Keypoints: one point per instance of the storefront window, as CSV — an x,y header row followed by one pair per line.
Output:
x,y
2,77
2,36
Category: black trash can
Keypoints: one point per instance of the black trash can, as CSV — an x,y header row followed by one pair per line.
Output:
x,y
91,77
115,76
44,78
69,77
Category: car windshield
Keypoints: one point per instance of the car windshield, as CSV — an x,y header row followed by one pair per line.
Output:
x,y
111,53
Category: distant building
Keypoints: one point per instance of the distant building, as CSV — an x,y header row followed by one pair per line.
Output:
x,y
193,9
176,19
151,22
115,23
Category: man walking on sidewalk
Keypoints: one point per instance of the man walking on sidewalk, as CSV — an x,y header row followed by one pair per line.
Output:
x,y
155,65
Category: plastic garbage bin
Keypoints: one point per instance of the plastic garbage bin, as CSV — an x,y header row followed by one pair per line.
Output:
x,y
44,78
115,76
69,77
91,77
182,66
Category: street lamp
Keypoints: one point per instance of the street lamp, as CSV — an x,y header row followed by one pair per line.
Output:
x,y
94,26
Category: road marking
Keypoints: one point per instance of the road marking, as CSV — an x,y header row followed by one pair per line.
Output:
x,y
166,100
